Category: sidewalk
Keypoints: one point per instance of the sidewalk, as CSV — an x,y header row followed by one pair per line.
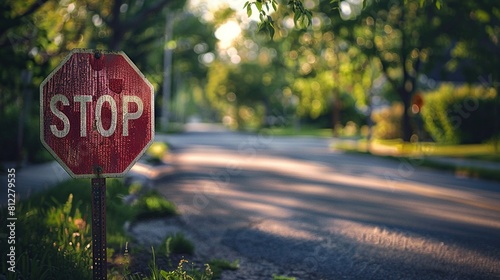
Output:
x,y
38,177
32,178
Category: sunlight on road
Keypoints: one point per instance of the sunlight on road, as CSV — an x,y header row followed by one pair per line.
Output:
x,y
365,217
396,242
313,179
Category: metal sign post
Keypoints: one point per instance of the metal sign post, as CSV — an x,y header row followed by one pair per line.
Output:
x,y
99,256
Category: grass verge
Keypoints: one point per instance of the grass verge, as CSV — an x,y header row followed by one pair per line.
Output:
x,y
397,149
53,234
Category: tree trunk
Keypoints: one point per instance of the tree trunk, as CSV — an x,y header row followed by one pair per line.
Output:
x,y
407,86
406,126
336,106
116,26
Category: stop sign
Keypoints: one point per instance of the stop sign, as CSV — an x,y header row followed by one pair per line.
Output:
x,y
96,113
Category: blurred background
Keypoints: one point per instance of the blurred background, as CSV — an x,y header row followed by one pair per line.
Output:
x,y
422,71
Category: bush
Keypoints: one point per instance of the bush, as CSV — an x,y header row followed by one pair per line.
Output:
x,y
460,115
388,122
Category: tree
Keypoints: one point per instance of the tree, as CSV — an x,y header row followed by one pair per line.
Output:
x,y
36,35
407,37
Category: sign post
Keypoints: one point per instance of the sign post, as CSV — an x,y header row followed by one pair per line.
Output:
x,y
96,119
99,255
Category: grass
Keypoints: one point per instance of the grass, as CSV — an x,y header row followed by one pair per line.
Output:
x,y
398,149
277,277
302,131
53,234
178,244
153,205
219,265
172,128
467,171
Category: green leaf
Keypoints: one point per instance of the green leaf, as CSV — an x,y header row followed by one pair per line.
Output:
x,y
275,5
259,6
438,4
271,31
246,4
296,17
249,10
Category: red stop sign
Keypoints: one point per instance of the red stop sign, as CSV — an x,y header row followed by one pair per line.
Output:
x,y
96,113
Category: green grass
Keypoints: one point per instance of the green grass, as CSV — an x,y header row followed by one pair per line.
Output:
x,y
219,265
397,149
302,131
277,277
173,128
53,235
178,244
488,157
153,205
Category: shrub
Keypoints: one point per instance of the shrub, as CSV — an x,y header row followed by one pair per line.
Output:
x,y
388,122
156,152
460,115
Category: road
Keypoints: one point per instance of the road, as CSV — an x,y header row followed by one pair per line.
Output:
x,y
292,206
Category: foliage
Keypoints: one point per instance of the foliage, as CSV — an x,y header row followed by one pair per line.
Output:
x,y
178,244
400,39
36,35
280,277
152,205
315,93
387,122
52,243
460,114
219,265
263,7
54,230
242,95
399,150
53,237
303,16
157,152
180,273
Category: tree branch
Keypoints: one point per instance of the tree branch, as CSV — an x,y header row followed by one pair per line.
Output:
x,y
17,19
38,4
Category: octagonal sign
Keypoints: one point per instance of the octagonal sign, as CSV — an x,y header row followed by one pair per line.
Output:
x,y
96,113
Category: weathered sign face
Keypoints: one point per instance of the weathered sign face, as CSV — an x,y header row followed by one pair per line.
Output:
x,y
96,113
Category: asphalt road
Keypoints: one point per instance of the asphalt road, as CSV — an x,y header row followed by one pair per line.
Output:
x,y
295,205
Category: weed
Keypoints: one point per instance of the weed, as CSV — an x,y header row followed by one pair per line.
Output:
x,y
178,244
153,205
278,277
219,265
180,273
54,236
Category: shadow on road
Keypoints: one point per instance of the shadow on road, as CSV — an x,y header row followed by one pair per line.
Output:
x,y
336,215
